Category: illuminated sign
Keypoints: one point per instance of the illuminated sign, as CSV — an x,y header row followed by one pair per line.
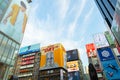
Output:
x,y
29,49
72,66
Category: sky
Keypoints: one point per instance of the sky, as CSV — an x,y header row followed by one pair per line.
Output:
x,y
70,22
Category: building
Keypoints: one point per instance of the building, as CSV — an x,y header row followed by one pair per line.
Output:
x,y
107,9
53,63
110,10
92,58
27,64
74,65
9,39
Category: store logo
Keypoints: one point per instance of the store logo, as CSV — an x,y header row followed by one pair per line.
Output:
x,y
105,53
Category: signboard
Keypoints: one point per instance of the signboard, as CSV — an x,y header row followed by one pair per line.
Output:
x,y
72,66
29,49
74,75
72,55
53,56
90,47
96,64
111,69
109,38
15,18
116,51
100,40
105,54
116,22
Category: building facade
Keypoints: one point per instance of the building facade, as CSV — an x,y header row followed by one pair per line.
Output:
x,y
10,33
74,65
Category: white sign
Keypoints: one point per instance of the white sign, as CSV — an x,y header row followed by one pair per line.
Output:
x,y
100,40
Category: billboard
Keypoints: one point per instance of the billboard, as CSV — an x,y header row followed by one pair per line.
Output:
x,y
96,64
72,66
100,40
74,75
109,38
29,49
15,18
53,56
72,55
90,47
116,22
111,69
105,54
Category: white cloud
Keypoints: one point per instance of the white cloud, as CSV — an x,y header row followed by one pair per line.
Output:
x,y
77,16
63,8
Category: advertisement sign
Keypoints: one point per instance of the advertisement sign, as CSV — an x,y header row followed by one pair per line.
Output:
x,y
116,51
74,75
90,47
72,66
100,40
14,21
105,54
28,58
96,64
29,49
72,55
111,69
109,38
116,22
53,56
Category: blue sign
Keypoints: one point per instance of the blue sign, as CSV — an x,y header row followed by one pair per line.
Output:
x,y
105,54
29,49
111,69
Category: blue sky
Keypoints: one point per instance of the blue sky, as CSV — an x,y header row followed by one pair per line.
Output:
x,y
70,22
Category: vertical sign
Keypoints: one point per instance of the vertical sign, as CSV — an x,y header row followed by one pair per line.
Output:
x,y
100,40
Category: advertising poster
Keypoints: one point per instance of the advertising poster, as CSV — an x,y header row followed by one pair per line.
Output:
x,y
116,22
100,40
109,38
74,75
111,69
14,21
29,49
72,66
96,64
72,55
105,54
53,56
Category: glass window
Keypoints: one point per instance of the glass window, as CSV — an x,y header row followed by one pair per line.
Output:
x,y
12,50
113,2
104,10
3,48
109,8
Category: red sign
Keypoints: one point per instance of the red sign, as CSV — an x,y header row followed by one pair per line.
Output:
x,y
90,47
28,58
27,62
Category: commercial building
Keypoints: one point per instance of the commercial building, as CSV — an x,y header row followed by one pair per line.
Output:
x,y
93,58
110,10
74,65
28,62
53,63
11,32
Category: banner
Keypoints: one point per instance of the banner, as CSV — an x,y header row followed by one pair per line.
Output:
x,y
111,69
72,55
53,56
14,21
72,66
29,49
105,54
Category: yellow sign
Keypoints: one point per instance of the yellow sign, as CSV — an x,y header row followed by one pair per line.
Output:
x,y
53,56
72,66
